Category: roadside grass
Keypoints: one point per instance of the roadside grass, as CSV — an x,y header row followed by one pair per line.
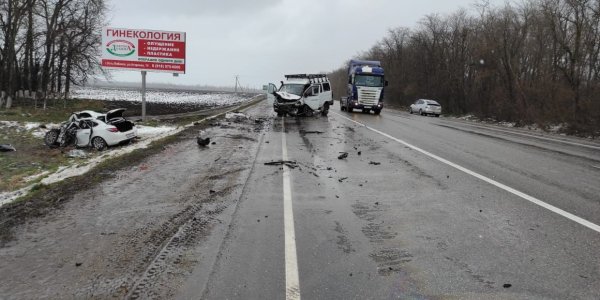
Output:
x,y
52,114
32,157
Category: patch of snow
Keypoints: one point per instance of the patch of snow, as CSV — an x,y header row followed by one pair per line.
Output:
x,y
36,176
235,117
8,197
31,125
149,131
172,97
9,124
507,124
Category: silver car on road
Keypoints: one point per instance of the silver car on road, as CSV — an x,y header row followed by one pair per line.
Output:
x,y
426,107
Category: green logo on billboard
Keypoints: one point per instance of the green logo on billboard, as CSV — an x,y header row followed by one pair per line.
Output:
x,y
120,48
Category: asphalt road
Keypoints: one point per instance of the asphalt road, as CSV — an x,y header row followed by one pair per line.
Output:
x,y
421,208
412,226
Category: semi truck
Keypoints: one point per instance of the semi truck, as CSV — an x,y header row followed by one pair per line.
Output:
x,y
366,84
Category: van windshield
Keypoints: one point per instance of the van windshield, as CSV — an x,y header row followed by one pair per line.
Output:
x,y
295,89
368,80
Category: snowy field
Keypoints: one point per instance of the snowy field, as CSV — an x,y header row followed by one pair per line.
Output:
x,y
165,97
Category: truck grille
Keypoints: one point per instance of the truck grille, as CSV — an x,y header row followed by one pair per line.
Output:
x,y
366,97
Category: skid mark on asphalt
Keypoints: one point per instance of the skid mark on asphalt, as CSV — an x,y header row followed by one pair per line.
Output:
x,y
513,191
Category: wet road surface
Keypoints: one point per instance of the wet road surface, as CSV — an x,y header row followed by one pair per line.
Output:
x,y
421,208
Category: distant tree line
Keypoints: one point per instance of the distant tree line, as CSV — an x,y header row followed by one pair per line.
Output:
x,y
534,62
47,45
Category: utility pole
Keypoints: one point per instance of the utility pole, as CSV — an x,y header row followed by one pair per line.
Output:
x,y
237,83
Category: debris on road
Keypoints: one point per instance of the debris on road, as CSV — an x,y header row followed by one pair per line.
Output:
x,y
506,285
236,117
203,142
77,153
343,155
342,179
311,132
290,163
7,148
359,153
375,163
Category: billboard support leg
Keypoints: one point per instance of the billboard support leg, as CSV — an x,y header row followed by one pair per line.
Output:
x,y
143,96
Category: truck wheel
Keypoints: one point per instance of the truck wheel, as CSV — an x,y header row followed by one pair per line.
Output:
x,y
377,111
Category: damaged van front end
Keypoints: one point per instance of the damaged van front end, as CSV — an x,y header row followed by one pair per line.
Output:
x,y
301,95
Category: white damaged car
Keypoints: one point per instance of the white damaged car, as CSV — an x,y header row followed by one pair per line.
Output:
x,y
89,128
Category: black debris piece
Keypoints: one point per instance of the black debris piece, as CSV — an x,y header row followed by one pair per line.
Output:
x,y
376,203
7,148
311,132
211,192
213,143
290,163
506,285
359,152
343,155
342,179
447,176
266,142
77,264
203,142
337,196
329,168
375,163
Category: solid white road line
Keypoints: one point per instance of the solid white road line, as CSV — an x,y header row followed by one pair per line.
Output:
x,y
529,198
292,282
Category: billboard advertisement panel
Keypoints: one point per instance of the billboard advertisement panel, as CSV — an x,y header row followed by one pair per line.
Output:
x,y
143,50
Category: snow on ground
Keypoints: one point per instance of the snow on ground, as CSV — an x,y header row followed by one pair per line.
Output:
x,y
170,97
32,127
148,131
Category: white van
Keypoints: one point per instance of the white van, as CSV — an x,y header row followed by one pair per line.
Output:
x,y
301,95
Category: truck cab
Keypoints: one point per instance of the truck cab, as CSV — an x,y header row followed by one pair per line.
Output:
x,y
301,95
366,84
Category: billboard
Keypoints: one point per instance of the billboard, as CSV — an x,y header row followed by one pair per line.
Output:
x,y
143,50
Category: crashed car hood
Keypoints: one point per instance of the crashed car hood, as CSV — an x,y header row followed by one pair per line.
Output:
x,y
115,113
288,96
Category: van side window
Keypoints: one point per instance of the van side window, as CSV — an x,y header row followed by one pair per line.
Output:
x,y
326,87
315,90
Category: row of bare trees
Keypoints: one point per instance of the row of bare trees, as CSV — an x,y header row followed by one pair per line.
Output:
x,y
47,45
534,62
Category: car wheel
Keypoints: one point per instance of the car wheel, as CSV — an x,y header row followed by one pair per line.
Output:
x,y
410,110
437,116
51,137
99,143
420,112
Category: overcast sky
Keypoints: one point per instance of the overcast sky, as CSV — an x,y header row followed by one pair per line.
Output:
x,y
263,39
